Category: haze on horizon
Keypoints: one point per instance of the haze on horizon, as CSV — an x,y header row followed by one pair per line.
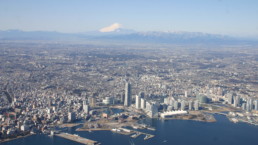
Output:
x,y
231,17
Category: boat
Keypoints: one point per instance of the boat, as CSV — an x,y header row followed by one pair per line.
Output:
x,y
146,137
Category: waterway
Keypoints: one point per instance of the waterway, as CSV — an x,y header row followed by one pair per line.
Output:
x,y
168,132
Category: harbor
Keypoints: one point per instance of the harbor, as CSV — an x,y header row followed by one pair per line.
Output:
x,y
132,133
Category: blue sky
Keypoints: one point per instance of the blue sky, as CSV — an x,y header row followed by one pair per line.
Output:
x,y
233,17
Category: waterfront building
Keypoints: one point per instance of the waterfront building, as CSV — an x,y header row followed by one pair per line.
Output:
x,y
169,108
172,113
190,106
175,105
151,109
127,101
183,105
196,105
71,116
236,101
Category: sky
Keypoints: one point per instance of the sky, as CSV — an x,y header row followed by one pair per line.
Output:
x,y
231,17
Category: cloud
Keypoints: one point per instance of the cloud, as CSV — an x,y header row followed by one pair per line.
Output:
x,y
111,28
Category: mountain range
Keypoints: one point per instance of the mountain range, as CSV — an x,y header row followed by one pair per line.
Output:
x,y
126,35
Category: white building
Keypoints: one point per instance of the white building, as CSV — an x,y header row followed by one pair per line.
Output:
x,y
143,103
172,113
137,102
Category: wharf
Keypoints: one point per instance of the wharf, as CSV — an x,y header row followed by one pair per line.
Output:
x,y
134,132
78,139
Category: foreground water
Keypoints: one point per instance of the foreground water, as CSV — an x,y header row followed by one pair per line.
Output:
x,y
169,132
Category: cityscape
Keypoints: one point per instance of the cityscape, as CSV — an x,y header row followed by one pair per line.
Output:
x,y
50,85
107,72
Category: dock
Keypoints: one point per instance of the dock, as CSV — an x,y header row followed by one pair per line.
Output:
x,y
77,138
133,133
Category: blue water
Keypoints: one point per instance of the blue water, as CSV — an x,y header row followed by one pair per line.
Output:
x,y
168,132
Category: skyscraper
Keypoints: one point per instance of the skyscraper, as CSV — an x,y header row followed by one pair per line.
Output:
x,y
175,105
71,116
186,95
127,101
230,98
236,101
143,103
196,105
256,105
137,102
182,105
250,101
190,105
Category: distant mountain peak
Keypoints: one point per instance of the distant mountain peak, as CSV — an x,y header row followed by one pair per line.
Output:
x,y
126,35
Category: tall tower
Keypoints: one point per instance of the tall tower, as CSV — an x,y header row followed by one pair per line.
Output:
x,y
127,101
137,102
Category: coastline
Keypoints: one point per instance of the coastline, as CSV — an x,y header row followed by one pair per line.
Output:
x,y
18,137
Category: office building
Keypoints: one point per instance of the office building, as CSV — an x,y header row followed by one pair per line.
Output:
x,y
175,105
230,98
127,101
143,103
256,105
182,105
236,101
190,106
71,116
137,102
196,105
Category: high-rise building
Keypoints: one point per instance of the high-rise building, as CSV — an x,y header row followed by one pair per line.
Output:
x,y
243,106
151,109
186,95
169,108
182,105
256,105
248,107
92,101
196,105
175,105
143,103
71,116
127,101
236,101
230,98
85,108
137,102
190,106
250,101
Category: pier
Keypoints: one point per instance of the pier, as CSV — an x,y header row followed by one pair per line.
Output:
x,y
133,133
78,139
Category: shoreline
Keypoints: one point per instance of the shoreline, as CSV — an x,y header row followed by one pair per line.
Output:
x,y
18,137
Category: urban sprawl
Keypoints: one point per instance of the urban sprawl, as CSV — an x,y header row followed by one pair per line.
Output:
x,y
45,85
